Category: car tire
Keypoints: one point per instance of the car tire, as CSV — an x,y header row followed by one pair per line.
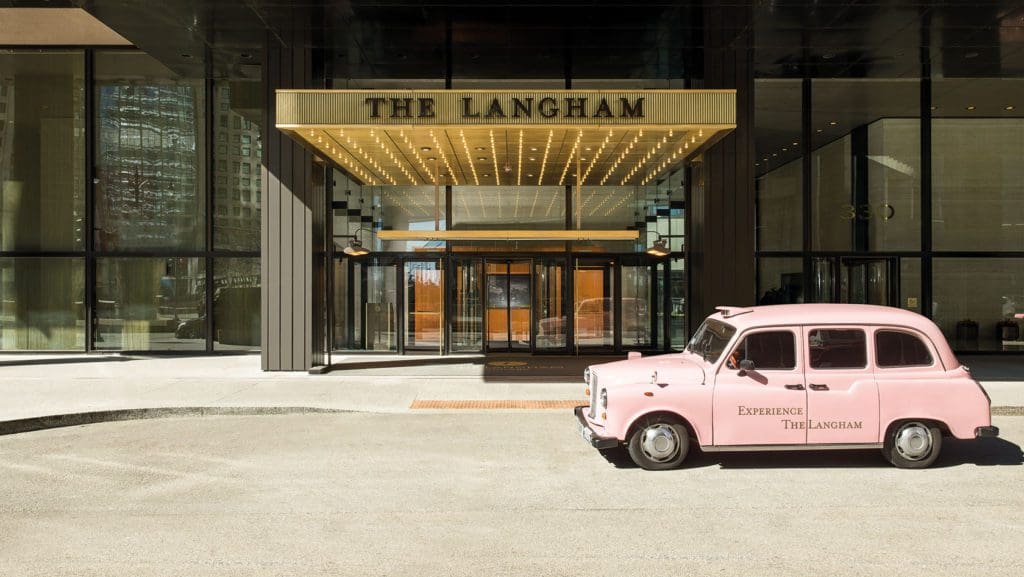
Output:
x,y
659,443
913,444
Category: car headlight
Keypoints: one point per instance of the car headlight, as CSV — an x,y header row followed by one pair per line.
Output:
x,y
586,375
604,398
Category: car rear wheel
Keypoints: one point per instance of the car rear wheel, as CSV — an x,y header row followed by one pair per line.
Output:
x,y
913,445
659,443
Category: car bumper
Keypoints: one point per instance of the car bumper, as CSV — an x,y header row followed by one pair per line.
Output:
x,y
587,432
986,432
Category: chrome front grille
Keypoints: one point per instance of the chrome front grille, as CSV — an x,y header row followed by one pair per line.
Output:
x,y
593,394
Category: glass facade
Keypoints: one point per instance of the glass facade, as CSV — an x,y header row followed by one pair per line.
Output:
x,y
117,257
885,170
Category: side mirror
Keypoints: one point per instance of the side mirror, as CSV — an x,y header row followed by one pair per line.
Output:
x,y
745,365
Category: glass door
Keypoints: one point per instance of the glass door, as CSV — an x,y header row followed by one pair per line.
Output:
x,y
424,305
508,318
365,303
594,304
549,303
639,300
467,316
868,281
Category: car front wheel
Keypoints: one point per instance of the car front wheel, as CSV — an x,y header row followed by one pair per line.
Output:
x,y
913,445
658,444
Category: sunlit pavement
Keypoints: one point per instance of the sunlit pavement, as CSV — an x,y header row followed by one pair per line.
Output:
x,y
485,493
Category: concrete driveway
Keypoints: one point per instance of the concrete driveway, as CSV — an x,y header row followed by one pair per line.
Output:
x,y
485,493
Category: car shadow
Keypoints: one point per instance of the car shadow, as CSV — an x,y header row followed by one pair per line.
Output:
x,y
985,452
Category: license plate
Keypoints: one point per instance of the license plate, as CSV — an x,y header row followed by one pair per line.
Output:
x,y
585,432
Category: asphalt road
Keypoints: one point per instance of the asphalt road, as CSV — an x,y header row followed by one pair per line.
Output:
x,y
495,493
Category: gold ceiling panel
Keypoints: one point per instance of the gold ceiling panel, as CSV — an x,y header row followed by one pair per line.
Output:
x,y
487,138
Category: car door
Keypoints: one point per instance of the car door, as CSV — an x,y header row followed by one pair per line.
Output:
x,y
765,405
842,395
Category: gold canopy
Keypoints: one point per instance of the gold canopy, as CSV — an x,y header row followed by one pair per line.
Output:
x,y
506,138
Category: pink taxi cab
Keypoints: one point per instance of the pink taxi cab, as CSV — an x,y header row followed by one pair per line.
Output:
x,y
789,377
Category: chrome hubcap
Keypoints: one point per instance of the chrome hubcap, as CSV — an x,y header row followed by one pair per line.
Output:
x,y
659,443
914,441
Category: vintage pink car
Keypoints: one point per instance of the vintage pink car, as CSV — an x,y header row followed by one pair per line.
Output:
x,y
787,377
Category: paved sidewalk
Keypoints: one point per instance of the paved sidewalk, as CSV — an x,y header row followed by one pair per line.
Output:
x,y
37,386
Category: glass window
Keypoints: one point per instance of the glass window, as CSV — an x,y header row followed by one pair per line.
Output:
x,y
42,303
977,173
150,160
637,303
150,304
865,168
424,324
900,349
772,350
236,303
837,349
779,165
42,151
975,300
780,281
710,339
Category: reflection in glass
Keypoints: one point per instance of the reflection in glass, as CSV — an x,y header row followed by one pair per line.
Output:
x,y
637,302
549,299
424,305
42,151
365,305
150,304
42,303
237,155
467,329
594,303
778,181
678,287
149,155
236,303
508,305
975,300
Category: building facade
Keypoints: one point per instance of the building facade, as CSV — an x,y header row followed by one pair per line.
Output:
x,y
154,197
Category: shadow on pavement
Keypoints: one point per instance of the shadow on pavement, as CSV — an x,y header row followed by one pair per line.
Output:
x,y
986,452
64,360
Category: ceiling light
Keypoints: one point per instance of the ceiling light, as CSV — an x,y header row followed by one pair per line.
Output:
x,y
481,148
425,148
1010,107
481,158
533,149
818,131
533,158
935,107
659,248
587,148
971,107
355,248
833,123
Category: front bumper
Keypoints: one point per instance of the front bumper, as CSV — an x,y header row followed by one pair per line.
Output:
x,y
986,432
588,434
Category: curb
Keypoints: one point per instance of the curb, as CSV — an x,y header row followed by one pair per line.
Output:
x,y
1015,411
31,424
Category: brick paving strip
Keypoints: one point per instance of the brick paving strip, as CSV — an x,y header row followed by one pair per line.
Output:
x,y
495,404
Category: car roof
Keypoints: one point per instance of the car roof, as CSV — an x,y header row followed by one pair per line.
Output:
x,y
836,314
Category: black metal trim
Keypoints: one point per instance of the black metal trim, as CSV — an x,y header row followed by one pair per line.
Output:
x,y
211,120
88,231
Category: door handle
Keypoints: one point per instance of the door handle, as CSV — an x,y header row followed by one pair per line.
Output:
x,y
795,387
817,387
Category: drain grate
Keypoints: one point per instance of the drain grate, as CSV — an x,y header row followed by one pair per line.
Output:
x,y
496,404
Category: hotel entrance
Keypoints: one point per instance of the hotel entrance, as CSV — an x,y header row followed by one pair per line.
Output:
x,y
527,221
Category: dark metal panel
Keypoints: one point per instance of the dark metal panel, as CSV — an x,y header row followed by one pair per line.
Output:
x,y
272,250
90,202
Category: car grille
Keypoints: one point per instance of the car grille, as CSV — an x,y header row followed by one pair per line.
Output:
x,y
593,394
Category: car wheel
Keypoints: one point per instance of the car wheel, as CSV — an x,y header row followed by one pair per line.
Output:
x,y
658,444
913,445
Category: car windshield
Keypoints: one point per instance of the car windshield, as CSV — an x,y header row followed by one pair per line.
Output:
x,y
710,339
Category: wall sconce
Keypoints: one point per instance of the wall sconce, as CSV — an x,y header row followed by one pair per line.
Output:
x,y
355,246
659,247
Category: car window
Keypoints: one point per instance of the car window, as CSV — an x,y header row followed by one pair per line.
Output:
x,y
900,349
772,350
837,349
710,339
